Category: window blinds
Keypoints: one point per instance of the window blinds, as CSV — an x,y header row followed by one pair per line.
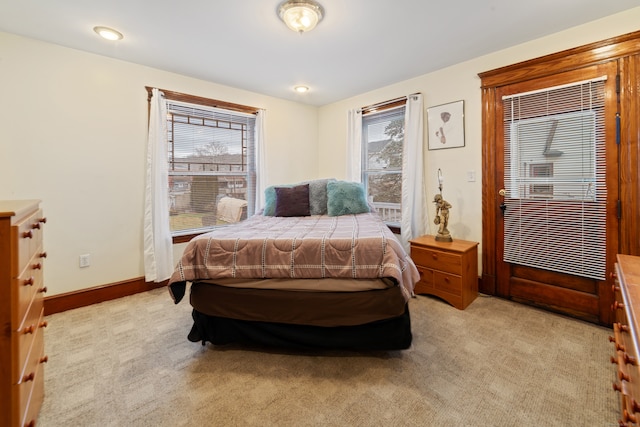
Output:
x,y
555,179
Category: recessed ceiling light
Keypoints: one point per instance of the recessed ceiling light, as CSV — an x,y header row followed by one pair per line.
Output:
x,y
301,89
108,33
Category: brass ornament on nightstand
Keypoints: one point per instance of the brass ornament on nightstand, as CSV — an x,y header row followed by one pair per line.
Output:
x,y
442,213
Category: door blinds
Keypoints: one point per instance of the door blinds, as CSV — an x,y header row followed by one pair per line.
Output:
x,y
555,179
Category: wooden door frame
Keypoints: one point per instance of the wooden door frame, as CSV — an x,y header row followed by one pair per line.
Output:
x,y
625,49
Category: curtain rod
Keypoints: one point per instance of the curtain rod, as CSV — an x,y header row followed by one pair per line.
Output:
x,y
382,104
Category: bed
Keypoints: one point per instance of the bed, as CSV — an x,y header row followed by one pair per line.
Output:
x,y
306,279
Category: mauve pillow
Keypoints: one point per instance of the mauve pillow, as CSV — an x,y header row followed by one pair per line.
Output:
x,y
292,201
345,198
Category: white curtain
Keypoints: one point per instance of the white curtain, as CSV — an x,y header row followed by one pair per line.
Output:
x,y
158,244
259,145
354,146
414,219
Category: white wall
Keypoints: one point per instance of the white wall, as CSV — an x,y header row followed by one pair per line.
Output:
x,y
73,134
458,82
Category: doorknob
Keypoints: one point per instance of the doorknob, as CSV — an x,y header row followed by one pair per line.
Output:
x,y
502,193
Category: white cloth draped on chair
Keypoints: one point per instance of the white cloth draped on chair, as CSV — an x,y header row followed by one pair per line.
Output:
x,y
158,244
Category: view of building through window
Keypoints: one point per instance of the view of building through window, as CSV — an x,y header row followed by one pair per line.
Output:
x,y
211,175
383,138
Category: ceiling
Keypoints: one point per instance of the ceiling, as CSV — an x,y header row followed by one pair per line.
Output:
x,y
360,45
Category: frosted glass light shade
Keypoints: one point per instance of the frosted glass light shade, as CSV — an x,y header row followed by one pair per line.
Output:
x,y
301,15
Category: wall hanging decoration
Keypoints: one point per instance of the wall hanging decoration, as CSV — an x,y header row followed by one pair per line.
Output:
x,y
446,125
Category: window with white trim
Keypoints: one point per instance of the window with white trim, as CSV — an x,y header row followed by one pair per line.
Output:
x,y
382,145
212,174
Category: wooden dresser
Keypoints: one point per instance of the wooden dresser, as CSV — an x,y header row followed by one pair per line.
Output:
x,y
448,270
21,312
626,308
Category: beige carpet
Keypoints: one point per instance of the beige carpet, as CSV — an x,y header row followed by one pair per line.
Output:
x,y
128,363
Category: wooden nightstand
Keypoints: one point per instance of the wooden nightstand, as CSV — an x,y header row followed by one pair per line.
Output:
x,y
448,270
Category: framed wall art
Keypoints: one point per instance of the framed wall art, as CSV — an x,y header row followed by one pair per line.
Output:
x,y
445,124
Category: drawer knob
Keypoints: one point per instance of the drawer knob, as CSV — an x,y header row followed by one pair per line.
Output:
x,y
630,360
28,330
43,220
27,234
615,288
434,255
29,377
36,226
31,423
37,266
613,360
617,305
623,377
617,387
43,290
43,324
44,359
628,416
30,281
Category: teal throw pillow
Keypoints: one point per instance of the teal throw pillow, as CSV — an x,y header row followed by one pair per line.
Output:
x,y
346,198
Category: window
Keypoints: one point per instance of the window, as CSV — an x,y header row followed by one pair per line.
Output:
x,y
382,144
212,175
555,174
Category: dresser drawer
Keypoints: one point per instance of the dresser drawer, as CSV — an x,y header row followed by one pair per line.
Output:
x,y
27,284
437,260
28,238
26,337
31,385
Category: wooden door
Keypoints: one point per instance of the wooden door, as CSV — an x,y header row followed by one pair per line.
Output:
x,y
550,280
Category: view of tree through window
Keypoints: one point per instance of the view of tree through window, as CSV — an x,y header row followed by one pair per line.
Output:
x,y
383,138
211,174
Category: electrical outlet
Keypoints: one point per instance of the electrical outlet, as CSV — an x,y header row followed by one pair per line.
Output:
x,y
85,260
471,176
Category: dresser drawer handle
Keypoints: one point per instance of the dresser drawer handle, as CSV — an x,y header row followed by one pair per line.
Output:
x,y
44,359
43,324
43,255
613,360
617,387
37,266
28,330
27,234
434,255
29,377
623,377
43,220
627,416
617,306
35,226
43,290
630,360
615,288
30,281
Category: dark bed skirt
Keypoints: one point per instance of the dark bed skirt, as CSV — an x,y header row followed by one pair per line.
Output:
x,y
387,334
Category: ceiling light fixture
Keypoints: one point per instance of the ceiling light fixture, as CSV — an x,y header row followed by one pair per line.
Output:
x,y
301,89
108,33
301,15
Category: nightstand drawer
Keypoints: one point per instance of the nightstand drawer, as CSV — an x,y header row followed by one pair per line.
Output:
x,y
447,282
443,261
